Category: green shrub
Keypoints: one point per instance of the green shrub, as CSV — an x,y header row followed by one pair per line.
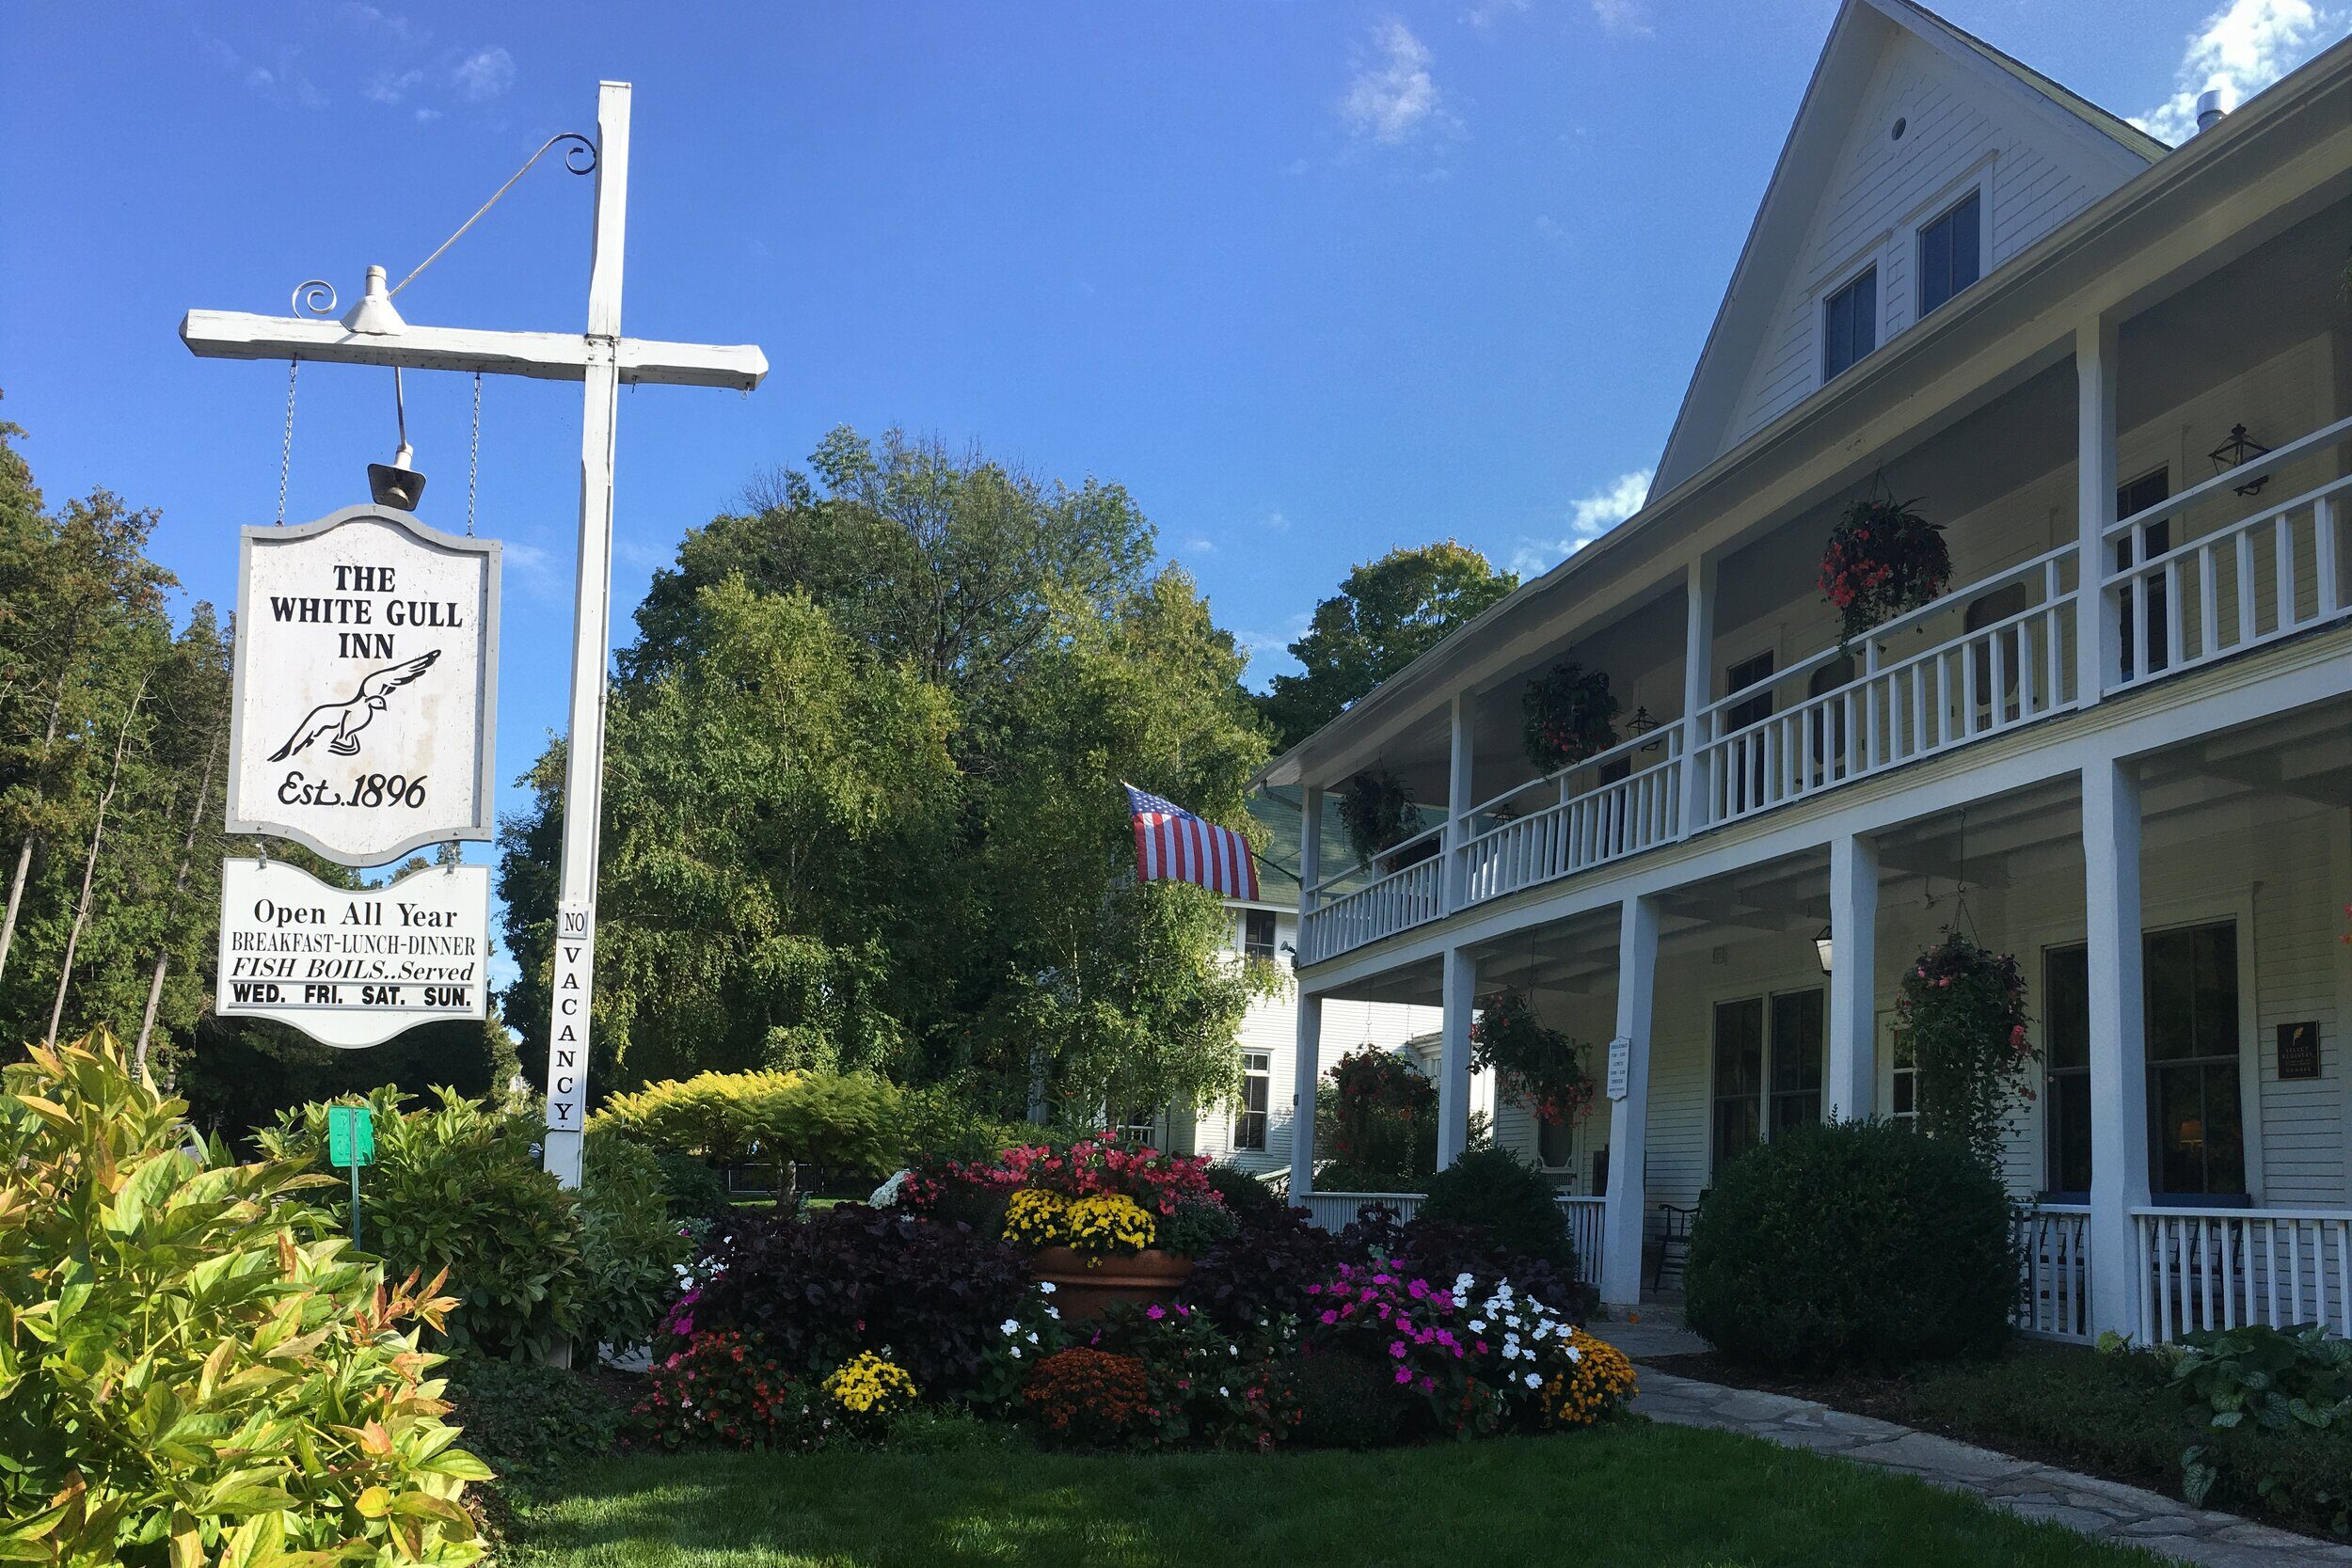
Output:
x,y
457,1187
691,1187
1855,1244
936,1123
1510,1200
631,1250
1254,1204
844,1122
193,1365
531,1420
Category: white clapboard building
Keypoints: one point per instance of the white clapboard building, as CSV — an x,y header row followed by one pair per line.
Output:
x,y
1255,1131
2118,376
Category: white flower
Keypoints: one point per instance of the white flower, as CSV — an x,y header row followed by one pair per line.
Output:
x,y
1016,1352
1575,1354
1533,1379
1045,1287
1233,1350
1033,1336
1224,1393
888,1194
1010,1326
1478,1325
1462,1283
1053,1312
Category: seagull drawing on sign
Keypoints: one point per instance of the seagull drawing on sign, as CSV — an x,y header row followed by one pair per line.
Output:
x,y
344,721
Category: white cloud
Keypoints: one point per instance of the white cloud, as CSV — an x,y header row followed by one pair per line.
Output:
x,y
1200,546
2247,43
1276,522
1393,98
1589,517
484,73
390,86
1623,18
1485,14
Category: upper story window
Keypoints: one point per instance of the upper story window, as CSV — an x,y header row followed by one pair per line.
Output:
x,y
1850,323
1257,934
1948,261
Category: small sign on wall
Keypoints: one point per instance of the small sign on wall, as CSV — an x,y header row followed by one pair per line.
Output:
x,y
1620,1065
2298,1051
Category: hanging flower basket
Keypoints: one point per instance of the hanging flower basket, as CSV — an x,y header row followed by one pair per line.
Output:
x,y
1537,1064
1568,712
1378,811
1961,1011
1882,559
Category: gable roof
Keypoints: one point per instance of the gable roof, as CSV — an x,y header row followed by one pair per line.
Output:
x,y
1825,121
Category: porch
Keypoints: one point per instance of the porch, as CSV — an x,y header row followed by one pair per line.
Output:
x,y
2188,1161
2114,523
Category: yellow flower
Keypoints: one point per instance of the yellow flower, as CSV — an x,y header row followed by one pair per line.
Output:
x,y
1599,1380
870,1384
1108,1223
1036,1217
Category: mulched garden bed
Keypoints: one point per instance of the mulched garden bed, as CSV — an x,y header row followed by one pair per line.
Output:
x,y
2057,1404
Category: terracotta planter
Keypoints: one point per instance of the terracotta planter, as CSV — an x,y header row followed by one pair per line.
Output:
x,y
1083,1287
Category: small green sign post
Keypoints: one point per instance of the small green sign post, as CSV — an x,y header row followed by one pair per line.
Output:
x,y
351,1141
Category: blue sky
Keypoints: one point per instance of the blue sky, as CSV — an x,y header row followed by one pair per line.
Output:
x,y
1310,279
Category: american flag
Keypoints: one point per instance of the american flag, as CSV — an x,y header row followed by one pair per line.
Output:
x,y
1172,845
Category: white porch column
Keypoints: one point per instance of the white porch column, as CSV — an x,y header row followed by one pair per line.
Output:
x,y
1851,1069
1309,864
1454,1054
2098,646
1457,804
1698,687
1625,1211
1306,1071
2119,1043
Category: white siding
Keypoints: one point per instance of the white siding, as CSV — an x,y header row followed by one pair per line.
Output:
x,y
2286,876
1271,1025
1958,127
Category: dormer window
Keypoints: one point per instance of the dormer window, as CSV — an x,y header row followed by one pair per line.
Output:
x,y
1948,260
1850,323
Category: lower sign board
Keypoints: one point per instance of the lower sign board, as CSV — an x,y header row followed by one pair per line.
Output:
x,y
567,1037
352,966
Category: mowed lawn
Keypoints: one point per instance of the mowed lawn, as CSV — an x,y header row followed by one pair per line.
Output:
x,y
1637,1495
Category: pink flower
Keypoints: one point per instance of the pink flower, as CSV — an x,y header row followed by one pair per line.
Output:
x,y
1331,1317
1155,1312
1403,1375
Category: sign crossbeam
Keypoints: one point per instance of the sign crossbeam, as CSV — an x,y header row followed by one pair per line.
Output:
x,y
603,361
542,356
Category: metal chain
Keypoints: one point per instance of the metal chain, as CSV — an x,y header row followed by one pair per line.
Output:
x,y
285,453
473,462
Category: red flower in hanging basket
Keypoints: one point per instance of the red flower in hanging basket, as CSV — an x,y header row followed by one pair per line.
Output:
x,y
1538,1065
1882,560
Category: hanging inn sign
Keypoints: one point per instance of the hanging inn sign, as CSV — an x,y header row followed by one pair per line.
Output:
x,y
366,685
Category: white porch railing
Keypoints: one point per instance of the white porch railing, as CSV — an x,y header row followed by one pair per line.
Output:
x,y
1587,1216
2266,575
1588,1219
2054,1295
2219,1268
2009,672
1338,1210
1405,897
1586,827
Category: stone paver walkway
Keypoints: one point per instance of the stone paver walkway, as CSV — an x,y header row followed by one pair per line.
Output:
x,y
2106,1508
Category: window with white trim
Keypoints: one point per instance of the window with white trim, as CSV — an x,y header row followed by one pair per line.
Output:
x,y
1950,260
1850,323
1256,1080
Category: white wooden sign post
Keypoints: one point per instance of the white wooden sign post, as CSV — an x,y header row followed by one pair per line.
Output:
x,y
603,360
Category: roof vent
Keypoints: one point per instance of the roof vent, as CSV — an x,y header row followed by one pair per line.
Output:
x,y
2215,102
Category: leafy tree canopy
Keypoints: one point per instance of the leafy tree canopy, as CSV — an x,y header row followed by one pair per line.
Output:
x,y
1387,613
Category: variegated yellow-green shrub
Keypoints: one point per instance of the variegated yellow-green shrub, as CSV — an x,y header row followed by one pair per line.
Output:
x,y
192,1368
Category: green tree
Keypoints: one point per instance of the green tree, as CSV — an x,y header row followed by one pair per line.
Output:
x,y
1387,613
1004,638
752,792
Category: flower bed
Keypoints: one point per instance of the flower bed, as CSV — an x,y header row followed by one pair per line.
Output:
x,y
1062,1317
